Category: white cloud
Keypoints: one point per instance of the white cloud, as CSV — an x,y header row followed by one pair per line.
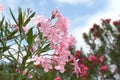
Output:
x,y
74,1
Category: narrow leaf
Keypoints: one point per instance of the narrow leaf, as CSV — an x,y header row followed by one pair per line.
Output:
x,y
13,16
28,19
30,36
1,23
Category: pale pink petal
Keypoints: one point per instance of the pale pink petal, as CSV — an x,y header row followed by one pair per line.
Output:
x,y
1,7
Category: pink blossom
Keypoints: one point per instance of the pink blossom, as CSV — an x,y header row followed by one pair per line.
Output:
x,y
116,23
103,68
77,54
37,60
39,19
57,36
62,23
46,64
82,59
84,70
60,67
60,62
92,58
83,67
77,69
24,72
25,29
1,7
115,70
54,13
33,48
95,26
17,69
106,20
72,40
83,74
45,28
101,59
57,78
53,36
30,76
15,27
37,40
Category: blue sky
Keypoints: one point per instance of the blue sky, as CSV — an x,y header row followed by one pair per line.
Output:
x,y
81,13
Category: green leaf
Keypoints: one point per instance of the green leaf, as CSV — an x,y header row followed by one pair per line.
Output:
x,y
20,22
4,48
13,57
25,58
46,48
30,37
20,17
13,16
1,22
28,19
11,36
23,17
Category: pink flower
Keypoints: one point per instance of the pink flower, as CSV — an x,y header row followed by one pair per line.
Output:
x,y
84,70
92,58
60,61
1,7
116,23
83,74
106,20
37,60
60,67
115,70
30,76
37,63
15,27
77,69
57,78
45,28
83,67
39,19
37,40
33,48
57,36
72,40
95,26
101,59
82,60
17,69
25,29
54,14
24,72
62,23
103,68
46,64
77,54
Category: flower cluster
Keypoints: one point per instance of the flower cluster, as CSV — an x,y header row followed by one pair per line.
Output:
x,y
95,60
80,67
57,36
